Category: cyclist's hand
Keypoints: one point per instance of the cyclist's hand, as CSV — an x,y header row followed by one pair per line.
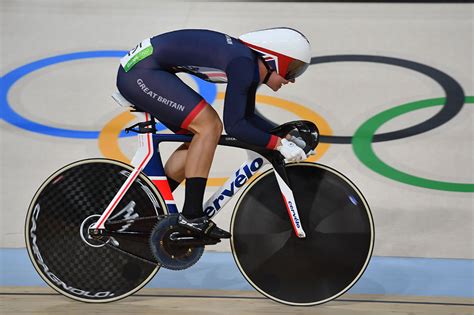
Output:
x,y
299,142
296,140
290,151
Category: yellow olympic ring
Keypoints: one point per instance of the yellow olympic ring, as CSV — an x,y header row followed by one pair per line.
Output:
x,y
108,138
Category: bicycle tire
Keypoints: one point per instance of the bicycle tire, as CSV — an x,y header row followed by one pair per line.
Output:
x,y
63,208
316,269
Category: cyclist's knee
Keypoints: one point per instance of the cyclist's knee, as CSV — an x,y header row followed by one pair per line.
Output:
x,y
213,129
207,123
216,127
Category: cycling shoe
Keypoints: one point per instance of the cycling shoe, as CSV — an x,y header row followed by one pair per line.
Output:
x,y
203,226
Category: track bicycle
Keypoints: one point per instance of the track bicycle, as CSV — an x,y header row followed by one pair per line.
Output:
x,y
98,230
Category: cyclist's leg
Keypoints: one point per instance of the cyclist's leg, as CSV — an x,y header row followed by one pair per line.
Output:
x,y
166,97
174,167
207,128
194,159
176,164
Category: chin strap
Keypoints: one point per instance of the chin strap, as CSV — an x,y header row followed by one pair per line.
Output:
x,y
269,73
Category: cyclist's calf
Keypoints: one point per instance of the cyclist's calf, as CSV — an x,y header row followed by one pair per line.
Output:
x,y
207,128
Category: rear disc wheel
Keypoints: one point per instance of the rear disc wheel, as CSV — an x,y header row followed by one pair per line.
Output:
x,y
64,208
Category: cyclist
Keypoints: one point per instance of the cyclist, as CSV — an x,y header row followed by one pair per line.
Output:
x,y
147,78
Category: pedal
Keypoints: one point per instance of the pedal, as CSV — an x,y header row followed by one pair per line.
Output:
x,y
204,228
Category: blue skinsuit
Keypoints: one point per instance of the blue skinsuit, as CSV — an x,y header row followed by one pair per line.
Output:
x,y
152,85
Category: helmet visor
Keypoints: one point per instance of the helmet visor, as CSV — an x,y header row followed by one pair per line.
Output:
x,y
295,69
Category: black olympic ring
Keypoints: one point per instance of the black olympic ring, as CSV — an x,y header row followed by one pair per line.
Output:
x,y
453,105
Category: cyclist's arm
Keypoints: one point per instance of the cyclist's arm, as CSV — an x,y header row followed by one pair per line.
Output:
x,y
255,119
261,123
241,81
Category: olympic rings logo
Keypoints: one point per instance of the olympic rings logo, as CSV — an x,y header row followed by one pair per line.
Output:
x,y
362,140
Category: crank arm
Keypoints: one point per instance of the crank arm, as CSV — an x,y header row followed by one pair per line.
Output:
x,y
187,241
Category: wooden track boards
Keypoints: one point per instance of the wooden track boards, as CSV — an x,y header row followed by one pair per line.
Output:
x,y
30,300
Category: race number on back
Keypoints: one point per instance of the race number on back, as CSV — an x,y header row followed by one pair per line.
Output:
x,y
140,52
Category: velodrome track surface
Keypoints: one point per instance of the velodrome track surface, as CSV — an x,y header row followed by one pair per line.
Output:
x,y
403,72
152,301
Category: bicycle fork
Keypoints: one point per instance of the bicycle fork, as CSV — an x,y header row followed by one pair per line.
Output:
x,y
288,197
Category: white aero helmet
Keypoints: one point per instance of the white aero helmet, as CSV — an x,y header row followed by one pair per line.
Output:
x,y
286,50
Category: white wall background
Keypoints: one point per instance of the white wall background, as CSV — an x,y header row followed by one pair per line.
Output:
x,y
410,221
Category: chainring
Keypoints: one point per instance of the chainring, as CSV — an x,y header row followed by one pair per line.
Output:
x,y
166,251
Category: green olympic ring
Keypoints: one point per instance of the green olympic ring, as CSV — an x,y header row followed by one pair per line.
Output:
x,y
362,146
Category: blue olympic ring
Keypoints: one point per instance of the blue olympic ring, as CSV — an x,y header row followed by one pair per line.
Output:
x,y
7,113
